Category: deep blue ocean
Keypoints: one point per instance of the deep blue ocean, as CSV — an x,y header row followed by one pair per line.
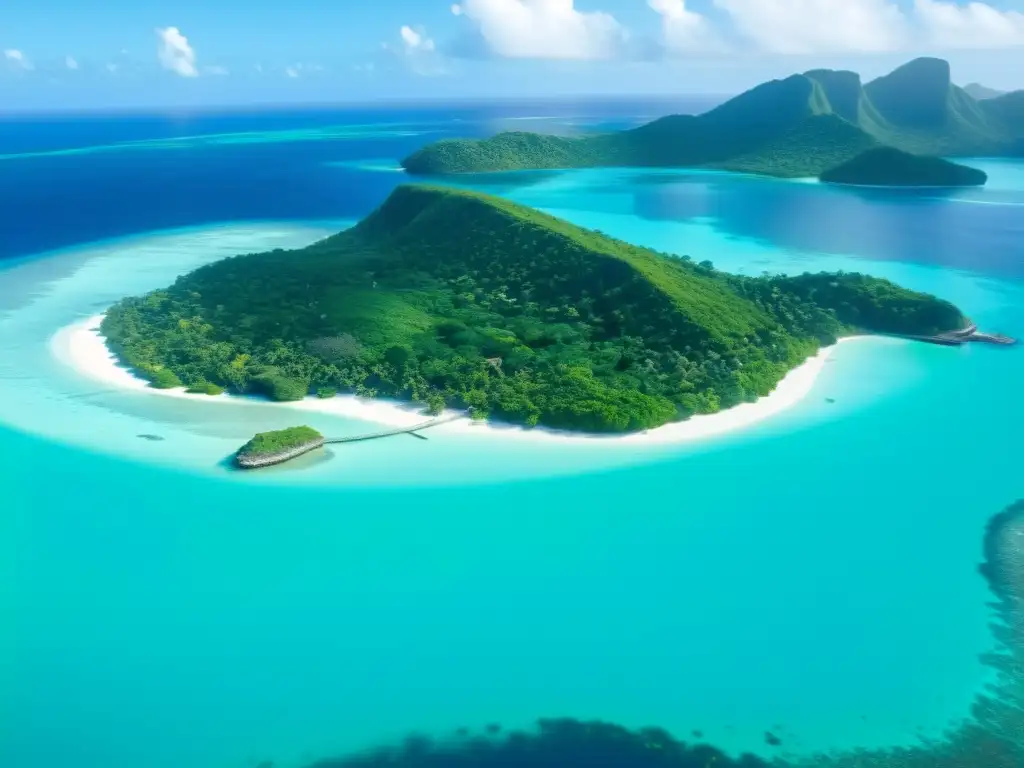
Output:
x,y
814,575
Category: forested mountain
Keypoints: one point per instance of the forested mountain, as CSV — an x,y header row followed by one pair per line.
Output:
x,y
800,126
452,297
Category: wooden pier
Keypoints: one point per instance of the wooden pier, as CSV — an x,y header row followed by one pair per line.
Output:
x,y
280,457
964,336
388,433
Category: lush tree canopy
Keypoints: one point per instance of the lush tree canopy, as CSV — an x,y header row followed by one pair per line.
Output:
x,y
455,298
279,441
886,166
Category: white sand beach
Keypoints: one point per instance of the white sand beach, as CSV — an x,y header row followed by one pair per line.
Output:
x,y
82,347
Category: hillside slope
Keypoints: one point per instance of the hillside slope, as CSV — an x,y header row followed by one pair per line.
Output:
x,y
783,127
923,112
800,126
453,297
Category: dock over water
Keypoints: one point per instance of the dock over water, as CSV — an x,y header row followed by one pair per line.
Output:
x,y
388,433
966,335
280,457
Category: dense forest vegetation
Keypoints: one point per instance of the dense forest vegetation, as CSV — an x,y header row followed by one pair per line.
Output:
x,y
801,126
449,297
886,166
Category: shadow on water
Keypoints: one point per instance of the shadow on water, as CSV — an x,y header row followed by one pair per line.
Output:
x,y
936,226
992,737
900,194
931,226
505,182
662,177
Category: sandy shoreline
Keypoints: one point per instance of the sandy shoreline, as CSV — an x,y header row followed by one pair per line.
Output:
x,y
82,347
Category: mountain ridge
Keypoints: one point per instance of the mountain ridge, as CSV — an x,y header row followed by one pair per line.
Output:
x,y
981,92
801,125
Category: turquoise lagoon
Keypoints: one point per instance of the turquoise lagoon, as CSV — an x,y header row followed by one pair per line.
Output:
x,y
815,575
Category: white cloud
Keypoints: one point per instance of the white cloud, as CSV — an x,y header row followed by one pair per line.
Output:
x,y
70,62
18,60
298,69
416,41
418,51
214,69
175,53
847,26
974,25
543,29
683,30
819,26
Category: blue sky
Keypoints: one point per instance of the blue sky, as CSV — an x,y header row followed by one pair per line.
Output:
x,y
124,53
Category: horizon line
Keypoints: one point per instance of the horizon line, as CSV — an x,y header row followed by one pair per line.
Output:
x,y
420,102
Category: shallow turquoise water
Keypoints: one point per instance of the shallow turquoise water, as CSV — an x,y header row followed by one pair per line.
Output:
x,y
815,575
351,132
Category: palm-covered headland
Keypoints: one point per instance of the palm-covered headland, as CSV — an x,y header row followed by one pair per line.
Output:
x,y
457,299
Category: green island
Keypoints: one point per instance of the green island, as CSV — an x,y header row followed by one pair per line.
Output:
x,y
801,126
454,298
268,448
891,167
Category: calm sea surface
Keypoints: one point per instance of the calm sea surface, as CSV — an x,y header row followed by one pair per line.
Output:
x,y
815,576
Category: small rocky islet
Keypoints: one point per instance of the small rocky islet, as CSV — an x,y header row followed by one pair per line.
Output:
x,y
268,448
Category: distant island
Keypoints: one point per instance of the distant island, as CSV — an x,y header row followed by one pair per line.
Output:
x,y
887,166
268,448
802,126
981,92
455,298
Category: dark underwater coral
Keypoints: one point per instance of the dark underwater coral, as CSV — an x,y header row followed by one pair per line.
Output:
x,y
992,737
563,743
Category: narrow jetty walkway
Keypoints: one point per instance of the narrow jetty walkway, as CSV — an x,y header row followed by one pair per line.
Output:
x,y
280,457
965,335
390,432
